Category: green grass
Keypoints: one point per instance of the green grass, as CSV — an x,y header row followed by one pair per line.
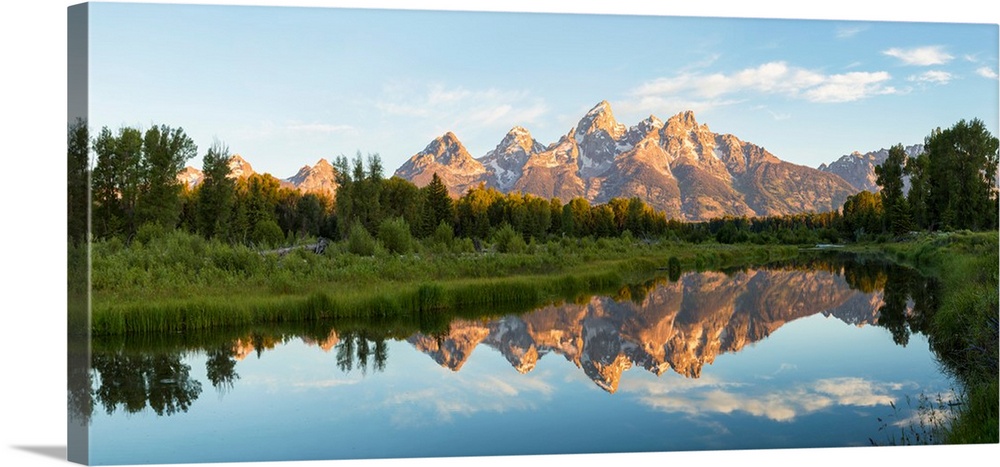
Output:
x,y
963,331
181,282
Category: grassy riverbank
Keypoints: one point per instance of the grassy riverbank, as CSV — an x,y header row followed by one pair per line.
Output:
x,y
964,328
178,282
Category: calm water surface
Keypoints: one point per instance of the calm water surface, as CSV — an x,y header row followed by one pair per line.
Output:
x,y
764,358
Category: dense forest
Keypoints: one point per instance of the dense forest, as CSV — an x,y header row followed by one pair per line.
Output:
x,y
135,193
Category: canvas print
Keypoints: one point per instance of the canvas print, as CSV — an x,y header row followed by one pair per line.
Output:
x,y
335,233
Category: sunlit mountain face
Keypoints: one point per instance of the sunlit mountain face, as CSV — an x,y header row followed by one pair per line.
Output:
x,y
678,166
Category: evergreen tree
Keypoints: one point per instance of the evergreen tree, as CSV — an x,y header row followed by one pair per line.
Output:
x,y
438,204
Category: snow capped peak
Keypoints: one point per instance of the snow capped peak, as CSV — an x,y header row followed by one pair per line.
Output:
x,y
601,107
597,119
684,120
518,139
447,149
505,163
449,138
650,123
239,167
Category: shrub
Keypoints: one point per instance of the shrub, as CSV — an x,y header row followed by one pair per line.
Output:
x,y
463,245
267,234
148,232
443,235
394,233
359,241
507,240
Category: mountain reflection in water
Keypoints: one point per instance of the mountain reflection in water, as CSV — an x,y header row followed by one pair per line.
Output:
x,y
658,326
680,326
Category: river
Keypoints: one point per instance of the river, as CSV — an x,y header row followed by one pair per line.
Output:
x,y
820,354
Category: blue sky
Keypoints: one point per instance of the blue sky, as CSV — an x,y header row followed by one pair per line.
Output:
x,y
286,86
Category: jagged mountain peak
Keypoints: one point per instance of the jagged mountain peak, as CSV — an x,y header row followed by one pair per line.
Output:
x,y
448,158
520,137
600,117
447,147
679,166
320,178
518,130
239,167
505,163
684,122
858,168
601,107
649,126
190,176
651,121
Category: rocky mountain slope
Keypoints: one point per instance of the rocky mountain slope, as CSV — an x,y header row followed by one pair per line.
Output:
x,y
859,169
319,178
679,166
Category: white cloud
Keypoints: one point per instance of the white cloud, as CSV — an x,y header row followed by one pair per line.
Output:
x,y
933,76
855,391
783,405
717,89
849,87
922,56
466,395
329,383
847,32
322,128
986,72
458,106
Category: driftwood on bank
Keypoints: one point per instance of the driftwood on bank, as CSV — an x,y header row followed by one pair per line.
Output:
x,y
318,248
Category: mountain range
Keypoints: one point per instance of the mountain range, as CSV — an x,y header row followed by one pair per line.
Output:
x,y
319,178
859,169
678,166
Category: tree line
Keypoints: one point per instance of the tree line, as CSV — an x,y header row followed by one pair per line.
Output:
x,y
134,186
953,186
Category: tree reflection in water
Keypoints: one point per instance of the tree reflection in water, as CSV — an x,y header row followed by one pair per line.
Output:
x,y
135,373
220,368
160,381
